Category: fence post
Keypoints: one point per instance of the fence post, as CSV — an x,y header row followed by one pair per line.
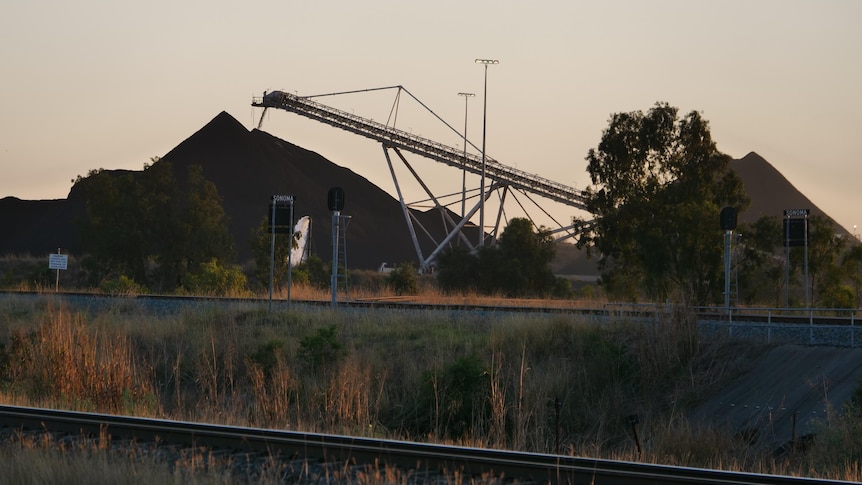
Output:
x,y
810,327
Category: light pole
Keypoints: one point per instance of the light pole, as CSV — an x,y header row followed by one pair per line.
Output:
x,y
467,97
486,62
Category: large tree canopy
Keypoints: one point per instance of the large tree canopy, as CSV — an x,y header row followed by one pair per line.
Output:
x,y
658,186
518,265
151,227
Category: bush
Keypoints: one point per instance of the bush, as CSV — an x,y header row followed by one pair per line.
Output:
x,y
456,397
214,279
404,280
456,269
267,355
562,288
839,296
518,265
121,285
313,272
320,350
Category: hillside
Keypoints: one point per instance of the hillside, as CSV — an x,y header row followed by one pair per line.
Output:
x,y
771,193
248,167
786,384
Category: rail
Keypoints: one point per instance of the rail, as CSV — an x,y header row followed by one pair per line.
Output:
x,y
806,326
367,453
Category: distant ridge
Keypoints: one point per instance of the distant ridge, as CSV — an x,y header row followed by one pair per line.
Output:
x,y
250,166
771,193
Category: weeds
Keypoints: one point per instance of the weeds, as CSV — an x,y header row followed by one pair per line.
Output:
x,y
481,379
65,360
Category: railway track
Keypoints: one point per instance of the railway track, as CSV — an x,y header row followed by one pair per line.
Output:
x,y
813,326
305,453
172,303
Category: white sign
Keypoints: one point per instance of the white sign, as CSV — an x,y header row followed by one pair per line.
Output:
x,y
58,261
795,212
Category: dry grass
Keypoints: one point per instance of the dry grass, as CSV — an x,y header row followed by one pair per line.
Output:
x,y
431,295
39,459
64,358
396,374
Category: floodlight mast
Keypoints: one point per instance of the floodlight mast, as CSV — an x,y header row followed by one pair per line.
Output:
x,y
467,97
486,62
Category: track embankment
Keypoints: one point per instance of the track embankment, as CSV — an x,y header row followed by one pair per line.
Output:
x,y
787,392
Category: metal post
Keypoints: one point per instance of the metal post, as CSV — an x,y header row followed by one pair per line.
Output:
x,y
482,183
57,283
633,420
334,279
807,302
727,235
272,253
787,262
793,430
484,131
558,407
289,254
467,96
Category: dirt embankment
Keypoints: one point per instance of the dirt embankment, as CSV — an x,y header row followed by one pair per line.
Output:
x,y
789,380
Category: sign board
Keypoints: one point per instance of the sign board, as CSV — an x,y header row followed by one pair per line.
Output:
x,y
795,232
796,212
58,261
280,208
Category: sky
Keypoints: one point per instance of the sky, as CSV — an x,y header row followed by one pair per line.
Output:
x,y
111,84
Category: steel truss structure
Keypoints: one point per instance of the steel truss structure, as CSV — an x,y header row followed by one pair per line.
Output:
x,y
504,180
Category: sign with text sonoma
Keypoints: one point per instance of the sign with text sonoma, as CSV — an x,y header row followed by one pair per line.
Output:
x,y
280,214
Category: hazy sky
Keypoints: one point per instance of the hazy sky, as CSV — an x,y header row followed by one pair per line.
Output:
x,y
92,84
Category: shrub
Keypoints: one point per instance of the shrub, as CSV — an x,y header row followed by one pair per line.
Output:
x,y
212,278
313,272
121,285
839,296
320,350
456,269
404,280
456,397
267,355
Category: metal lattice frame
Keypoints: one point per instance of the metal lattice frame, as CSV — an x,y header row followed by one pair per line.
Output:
x,y
505,178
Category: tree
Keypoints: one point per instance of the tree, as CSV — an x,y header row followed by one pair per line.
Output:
x,y
852,264
658,186
760,266
195,231
457,269
518,265
261,246
824,249
117,228
150,227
